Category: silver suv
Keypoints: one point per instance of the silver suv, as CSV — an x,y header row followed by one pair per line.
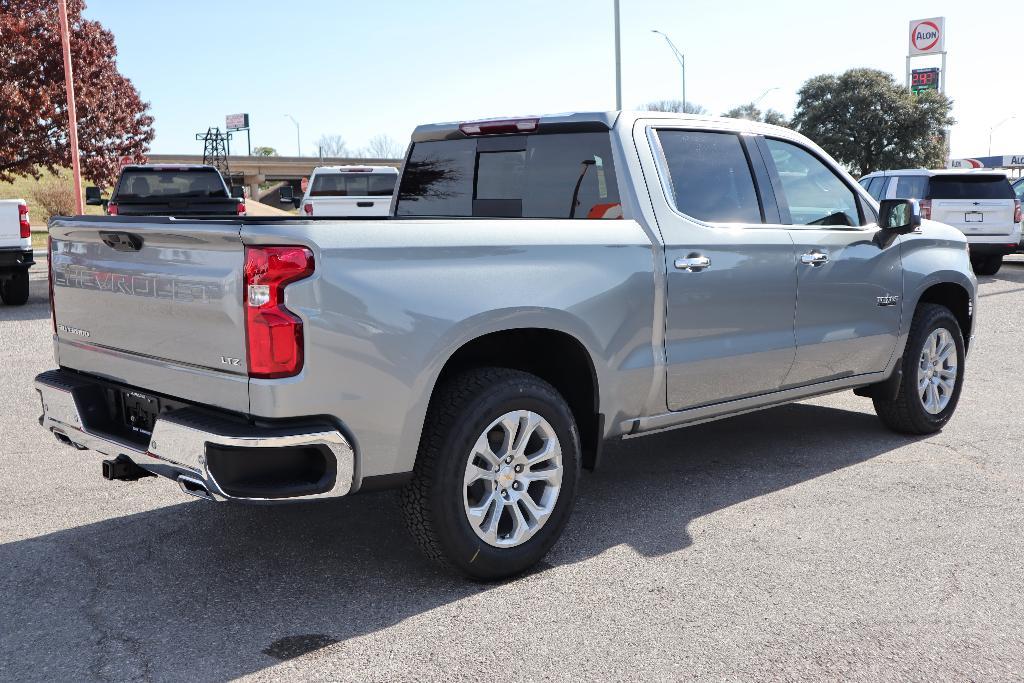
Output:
x,y
981,204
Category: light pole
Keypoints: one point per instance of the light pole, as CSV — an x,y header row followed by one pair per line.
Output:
x,y
298,137
1008,118
763,95
679,58
618,61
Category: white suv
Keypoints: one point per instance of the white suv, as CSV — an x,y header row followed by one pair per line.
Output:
x,y
981,204
350,191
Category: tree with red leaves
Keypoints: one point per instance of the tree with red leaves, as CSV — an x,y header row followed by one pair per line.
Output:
x,y
113,121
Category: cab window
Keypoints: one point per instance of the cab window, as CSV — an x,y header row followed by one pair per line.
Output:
x,y
815,194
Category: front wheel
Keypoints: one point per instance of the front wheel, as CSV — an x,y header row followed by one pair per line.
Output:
x,y
14,291
496,473
933,374
987,265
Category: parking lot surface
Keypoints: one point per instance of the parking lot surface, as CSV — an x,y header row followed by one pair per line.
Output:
x,y
802,542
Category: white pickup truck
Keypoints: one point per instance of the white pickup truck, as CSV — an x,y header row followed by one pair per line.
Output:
x,y
350,191
15,251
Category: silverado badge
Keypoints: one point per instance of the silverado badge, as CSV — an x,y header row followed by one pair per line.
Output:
x,y
887,300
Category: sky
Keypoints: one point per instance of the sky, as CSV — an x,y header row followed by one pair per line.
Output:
x,y
360,69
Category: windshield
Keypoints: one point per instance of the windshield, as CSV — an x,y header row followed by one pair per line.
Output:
x,y
170,184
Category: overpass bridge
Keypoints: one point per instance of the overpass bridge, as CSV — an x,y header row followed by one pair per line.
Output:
x,y
257,170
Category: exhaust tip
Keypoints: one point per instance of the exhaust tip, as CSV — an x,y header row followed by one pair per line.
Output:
x,y
195,488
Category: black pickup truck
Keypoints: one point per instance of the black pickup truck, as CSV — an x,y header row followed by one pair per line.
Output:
x,y
169,190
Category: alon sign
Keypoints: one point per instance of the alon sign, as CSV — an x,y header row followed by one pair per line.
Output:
x,y
928,36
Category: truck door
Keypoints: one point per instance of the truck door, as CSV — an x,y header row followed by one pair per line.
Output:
x,y
849,283
731,274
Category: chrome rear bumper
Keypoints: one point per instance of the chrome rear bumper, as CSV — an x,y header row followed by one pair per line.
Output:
x,y
178,447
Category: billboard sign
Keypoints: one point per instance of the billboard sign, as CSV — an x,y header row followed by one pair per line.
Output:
x,y
928,36
236,121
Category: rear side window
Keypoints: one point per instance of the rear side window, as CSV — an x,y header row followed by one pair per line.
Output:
x,y
353,185
970,187
170,184
875,186
711,177
911,187
512,176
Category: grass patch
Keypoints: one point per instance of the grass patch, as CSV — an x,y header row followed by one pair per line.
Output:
x,y
23,187
39,239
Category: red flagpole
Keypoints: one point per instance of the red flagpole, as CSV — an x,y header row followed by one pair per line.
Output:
x,y
69,83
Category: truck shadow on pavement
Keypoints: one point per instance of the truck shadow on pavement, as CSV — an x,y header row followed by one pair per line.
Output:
x,y
38,305
213,592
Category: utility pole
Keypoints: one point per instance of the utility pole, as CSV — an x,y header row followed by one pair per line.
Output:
x,y
69,84
618,60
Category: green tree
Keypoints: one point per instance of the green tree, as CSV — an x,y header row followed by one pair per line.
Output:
x,y
868,121
262,151
750,112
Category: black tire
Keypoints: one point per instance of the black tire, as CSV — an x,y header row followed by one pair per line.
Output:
x,y
14,291
906,413
433,501
987,265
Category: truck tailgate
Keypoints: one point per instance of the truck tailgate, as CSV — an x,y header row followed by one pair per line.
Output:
x,y
143,301
10,223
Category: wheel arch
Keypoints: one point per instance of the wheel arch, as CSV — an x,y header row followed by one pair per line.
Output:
x,y
957,299
555,356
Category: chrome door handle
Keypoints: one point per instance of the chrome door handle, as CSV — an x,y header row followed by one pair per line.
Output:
x,y
814,258
693,264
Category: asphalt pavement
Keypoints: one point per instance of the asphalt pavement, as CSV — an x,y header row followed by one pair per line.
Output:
x,y
799,543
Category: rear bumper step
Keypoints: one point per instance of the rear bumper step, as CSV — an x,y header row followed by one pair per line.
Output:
x,y
210,456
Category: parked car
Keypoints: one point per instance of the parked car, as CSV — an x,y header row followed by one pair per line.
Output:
x,y
169,190
979,203
1018,189
479,349
15,251
349,191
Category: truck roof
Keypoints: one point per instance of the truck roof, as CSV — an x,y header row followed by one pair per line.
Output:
x,y
169,167
930,172
578,122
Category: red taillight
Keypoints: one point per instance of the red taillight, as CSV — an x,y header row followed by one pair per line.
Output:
x,y
241,208
26,227
49,276
273,333
504,126
111,209
1016,211
926,209
308,208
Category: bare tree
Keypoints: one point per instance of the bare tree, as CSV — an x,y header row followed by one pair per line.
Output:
x,y
333,146
382,147
675,106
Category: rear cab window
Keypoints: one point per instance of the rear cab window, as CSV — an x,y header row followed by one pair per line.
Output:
x,y
540,175
353,184
167,184
710,175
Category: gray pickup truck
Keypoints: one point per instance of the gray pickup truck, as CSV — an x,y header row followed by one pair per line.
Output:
x,y
543,285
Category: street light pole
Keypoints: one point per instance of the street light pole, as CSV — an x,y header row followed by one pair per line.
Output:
x,y
69,85
990,130
298,137
618,60
763,95
679,58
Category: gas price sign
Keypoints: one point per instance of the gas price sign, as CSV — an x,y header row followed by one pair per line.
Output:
x,y
924,79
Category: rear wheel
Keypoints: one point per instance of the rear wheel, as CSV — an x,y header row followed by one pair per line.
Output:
x,y
933,374
496,473
987,265
14,291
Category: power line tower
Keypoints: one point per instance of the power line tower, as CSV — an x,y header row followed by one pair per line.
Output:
x,y
215,149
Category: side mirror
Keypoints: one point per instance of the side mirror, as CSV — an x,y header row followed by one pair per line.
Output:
x,y
92,196
238,192
899,215
287,194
